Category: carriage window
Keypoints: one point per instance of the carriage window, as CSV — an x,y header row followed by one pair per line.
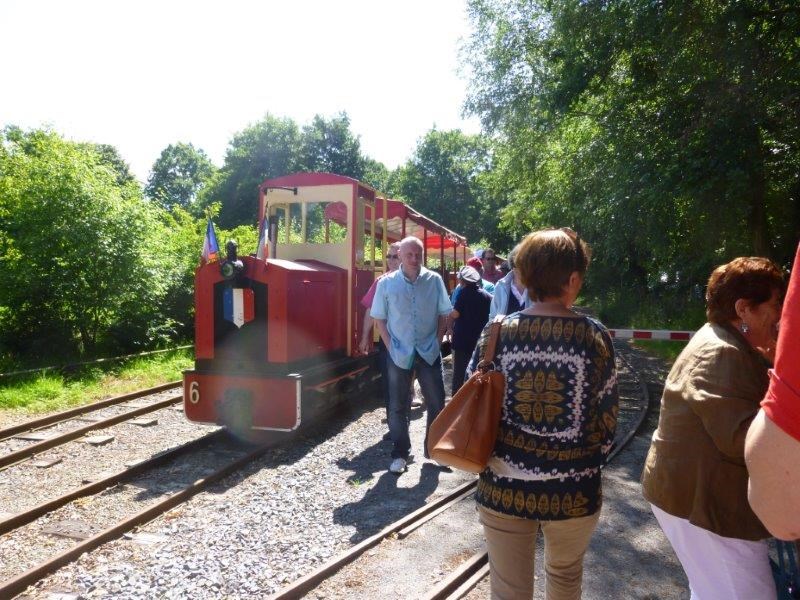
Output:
x,y
311,222
326,222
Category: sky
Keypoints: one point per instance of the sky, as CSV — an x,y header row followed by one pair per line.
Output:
x,y
143,74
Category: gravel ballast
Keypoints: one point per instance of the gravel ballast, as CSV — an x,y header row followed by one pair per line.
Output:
x,y
280,518
287,514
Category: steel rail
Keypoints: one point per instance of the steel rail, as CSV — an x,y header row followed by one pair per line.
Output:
x,y
35,424
30,515
16,585
642,415
470,573
23,453
416,524
299,587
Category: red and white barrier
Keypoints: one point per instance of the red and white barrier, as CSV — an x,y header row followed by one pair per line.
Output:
x,y
651,334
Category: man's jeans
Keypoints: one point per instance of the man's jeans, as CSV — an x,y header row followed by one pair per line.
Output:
x,y
383,361
432,387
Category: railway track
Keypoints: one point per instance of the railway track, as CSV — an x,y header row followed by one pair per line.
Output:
x,y
196,465
45,432
79,514
66,415
634,405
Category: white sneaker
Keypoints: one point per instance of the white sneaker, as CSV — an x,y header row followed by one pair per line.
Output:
x,y
398,465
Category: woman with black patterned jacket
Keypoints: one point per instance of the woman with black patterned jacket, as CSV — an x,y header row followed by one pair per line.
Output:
x,y
557,425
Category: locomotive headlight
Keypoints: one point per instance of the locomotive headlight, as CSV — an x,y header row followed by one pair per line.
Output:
x,y
231,268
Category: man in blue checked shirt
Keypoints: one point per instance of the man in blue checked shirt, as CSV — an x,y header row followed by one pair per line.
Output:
x,y
410,309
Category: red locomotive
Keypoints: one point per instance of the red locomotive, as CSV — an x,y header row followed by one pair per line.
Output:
x,y
276,337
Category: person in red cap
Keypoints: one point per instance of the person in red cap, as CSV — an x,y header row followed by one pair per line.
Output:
x,y
772,450
477,264
487,286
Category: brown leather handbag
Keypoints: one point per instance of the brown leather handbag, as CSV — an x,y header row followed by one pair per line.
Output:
x,y
464,433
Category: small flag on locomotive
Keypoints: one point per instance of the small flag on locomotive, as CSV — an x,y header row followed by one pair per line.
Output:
x,y
210,245
276,331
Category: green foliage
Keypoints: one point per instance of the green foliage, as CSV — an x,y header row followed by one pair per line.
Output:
x,y
328,145
178,175
245,236
665,133
110,157
274,147
447,180
265,149
73,246
377,175
42,393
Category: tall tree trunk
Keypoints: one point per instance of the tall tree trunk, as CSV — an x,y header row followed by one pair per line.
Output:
x,y
757,218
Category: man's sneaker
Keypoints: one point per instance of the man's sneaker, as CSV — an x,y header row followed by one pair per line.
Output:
x,y
398,465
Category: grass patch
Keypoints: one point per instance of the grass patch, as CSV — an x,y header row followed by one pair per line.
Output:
x,y
51,391
667,350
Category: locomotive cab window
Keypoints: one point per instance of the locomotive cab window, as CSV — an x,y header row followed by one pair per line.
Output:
x,y
311,222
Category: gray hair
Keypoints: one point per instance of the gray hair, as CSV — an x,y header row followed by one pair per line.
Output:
x,y
511,256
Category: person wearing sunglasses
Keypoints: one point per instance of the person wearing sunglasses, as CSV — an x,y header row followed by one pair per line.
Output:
x,y
489,262
366,345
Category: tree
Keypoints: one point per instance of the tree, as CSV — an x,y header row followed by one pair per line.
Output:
x,y
274,147
665,131
446,180
377,175
266,149
178,174
110,156
328,145
73,245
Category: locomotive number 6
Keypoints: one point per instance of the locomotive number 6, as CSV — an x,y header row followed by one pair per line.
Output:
x,y
194,392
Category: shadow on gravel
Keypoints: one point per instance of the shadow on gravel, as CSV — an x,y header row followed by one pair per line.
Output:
x,y
629,557
386,502
374,459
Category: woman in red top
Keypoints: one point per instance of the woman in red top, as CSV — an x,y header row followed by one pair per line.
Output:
x,y
772,450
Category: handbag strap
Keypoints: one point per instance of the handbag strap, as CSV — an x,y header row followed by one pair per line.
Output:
x,y
491,347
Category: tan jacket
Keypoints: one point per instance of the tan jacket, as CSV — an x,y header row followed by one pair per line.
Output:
x,y
695,468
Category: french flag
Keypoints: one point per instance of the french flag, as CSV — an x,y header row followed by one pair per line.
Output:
x,y
238,305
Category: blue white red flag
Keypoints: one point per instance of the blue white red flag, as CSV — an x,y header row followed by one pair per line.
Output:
x,y
210,246
261,253
238,305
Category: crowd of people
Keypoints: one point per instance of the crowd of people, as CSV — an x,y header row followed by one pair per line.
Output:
x,y
560,411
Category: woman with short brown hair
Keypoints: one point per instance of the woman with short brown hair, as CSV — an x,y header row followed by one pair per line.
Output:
x,y
557,424
695,476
